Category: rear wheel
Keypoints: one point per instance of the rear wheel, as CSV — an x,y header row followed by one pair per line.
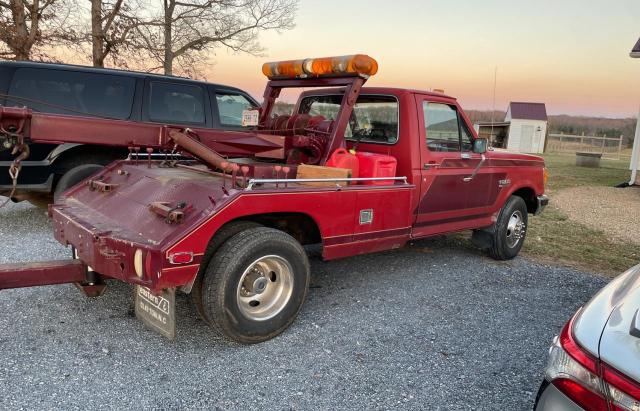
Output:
x,y
509,232
254,286
223,234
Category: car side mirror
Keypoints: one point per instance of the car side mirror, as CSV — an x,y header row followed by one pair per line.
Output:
x,y
480,145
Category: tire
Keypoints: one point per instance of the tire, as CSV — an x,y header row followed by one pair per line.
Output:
x,y
251,306
220,237
73,177
510,231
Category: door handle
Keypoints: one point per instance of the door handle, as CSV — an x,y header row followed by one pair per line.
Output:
x,y
429,166
475,172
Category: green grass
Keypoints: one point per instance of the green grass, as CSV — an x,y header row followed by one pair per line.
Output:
x,y
552,237
563,172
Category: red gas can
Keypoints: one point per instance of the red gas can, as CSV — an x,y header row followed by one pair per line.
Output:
x,y
376,165
341,158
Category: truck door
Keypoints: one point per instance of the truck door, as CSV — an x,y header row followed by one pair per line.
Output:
x,y
447,193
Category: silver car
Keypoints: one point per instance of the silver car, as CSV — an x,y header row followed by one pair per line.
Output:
x,y
594,364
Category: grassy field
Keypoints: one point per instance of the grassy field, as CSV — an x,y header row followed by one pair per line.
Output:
x,y
552,237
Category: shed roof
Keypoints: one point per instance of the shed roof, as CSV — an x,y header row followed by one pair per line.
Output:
x,y
528,111
635,51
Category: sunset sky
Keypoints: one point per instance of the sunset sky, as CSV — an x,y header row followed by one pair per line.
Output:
x,y
572,55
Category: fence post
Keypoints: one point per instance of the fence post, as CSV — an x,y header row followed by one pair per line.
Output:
x,y
582,143
620,147
604,140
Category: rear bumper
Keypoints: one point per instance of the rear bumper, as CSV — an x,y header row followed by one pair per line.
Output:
x,y
542,202
552,399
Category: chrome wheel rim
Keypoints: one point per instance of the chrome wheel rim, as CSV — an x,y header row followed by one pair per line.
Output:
x,y
515,229
265,288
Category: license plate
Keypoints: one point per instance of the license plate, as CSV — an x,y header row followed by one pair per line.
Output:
x,y
157,311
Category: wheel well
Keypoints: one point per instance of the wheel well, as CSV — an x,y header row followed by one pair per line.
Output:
x,y
529,197
298,225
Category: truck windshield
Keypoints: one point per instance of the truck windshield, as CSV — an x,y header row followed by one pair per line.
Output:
x,y
374,118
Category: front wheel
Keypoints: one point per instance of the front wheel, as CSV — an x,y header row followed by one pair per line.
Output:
x,y
254,286
509,232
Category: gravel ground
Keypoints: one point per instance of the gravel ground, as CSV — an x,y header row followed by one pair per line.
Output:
x,y
426,327
604,208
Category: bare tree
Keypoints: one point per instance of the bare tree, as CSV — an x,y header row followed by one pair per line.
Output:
x,y
189,29
27,27
113,24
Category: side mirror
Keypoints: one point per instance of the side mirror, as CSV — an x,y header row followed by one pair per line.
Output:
x,y
480,145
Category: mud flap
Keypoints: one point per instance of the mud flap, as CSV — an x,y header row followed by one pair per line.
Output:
x,y
157,312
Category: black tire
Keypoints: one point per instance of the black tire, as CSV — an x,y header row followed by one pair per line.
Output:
x,y
73,177
220,237
222,284
505,240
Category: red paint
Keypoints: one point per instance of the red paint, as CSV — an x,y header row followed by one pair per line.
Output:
x,y
107,227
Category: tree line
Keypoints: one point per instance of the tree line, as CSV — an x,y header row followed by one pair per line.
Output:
x,y
151,35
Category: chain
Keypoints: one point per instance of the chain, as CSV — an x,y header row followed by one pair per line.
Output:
x,y
14,171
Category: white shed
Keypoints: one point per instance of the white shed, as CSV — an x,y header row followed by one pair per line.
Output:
x,y
528,128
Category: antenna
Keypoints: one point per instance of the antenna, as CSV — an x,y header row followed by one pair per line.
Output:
x,y
493,109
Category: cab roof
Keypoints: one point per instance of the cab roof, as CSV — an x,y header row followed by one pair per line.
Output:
x,y
396,91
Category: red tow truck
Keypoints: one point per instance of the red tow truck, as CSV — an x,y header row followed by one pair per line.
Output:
x,y
227,220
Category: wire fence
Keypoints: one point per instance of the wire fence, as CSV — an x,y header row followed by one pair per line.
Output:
x,y
609,147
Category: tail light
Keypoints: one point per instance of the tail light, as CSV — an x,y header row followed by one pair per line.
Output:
x,y
624,393
592,385
545,176
575,372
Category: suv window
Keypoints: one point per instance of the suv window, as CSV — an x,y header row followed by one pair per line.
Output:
x,y
176,103
445,131
72,92
230,108
374,118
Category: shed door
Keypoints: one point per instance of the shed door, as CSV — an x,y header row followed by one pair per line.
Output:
x,y
526,139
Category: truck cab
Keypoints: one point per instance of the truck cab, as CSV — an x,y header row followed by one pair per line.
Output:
x,y
431,137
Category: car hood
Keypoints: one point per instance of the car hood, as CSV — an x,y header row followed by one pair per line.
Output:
x,y
606,326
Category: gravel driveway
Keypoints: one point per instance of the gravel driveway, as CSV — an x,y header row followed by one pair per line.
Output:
x,y
426,327
612,210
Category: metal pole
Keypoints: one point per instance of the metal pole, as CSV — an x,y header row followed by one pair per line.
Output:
x,y
635,154
620,147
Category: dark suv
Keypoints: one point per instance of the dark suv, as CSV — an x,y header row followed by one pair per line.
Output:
x,y
103,93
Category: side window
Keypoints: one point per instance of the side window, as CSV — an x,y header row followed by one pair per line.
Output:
x,y
441,121
176,103
467,137
72,92
230,108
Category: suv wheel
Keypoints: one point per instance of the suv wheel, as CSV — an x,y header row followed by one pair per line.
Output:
x,y
73,177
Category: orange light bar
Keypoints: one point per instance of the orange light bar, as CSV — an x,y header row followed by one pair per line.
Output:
x,y
355,65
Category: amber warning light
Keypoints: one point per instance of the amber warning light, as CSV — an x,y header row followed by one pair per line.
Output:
x,y
355,65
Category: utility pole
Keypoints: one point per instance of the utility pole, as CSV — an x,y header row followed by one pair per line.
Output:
x,y
635,153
